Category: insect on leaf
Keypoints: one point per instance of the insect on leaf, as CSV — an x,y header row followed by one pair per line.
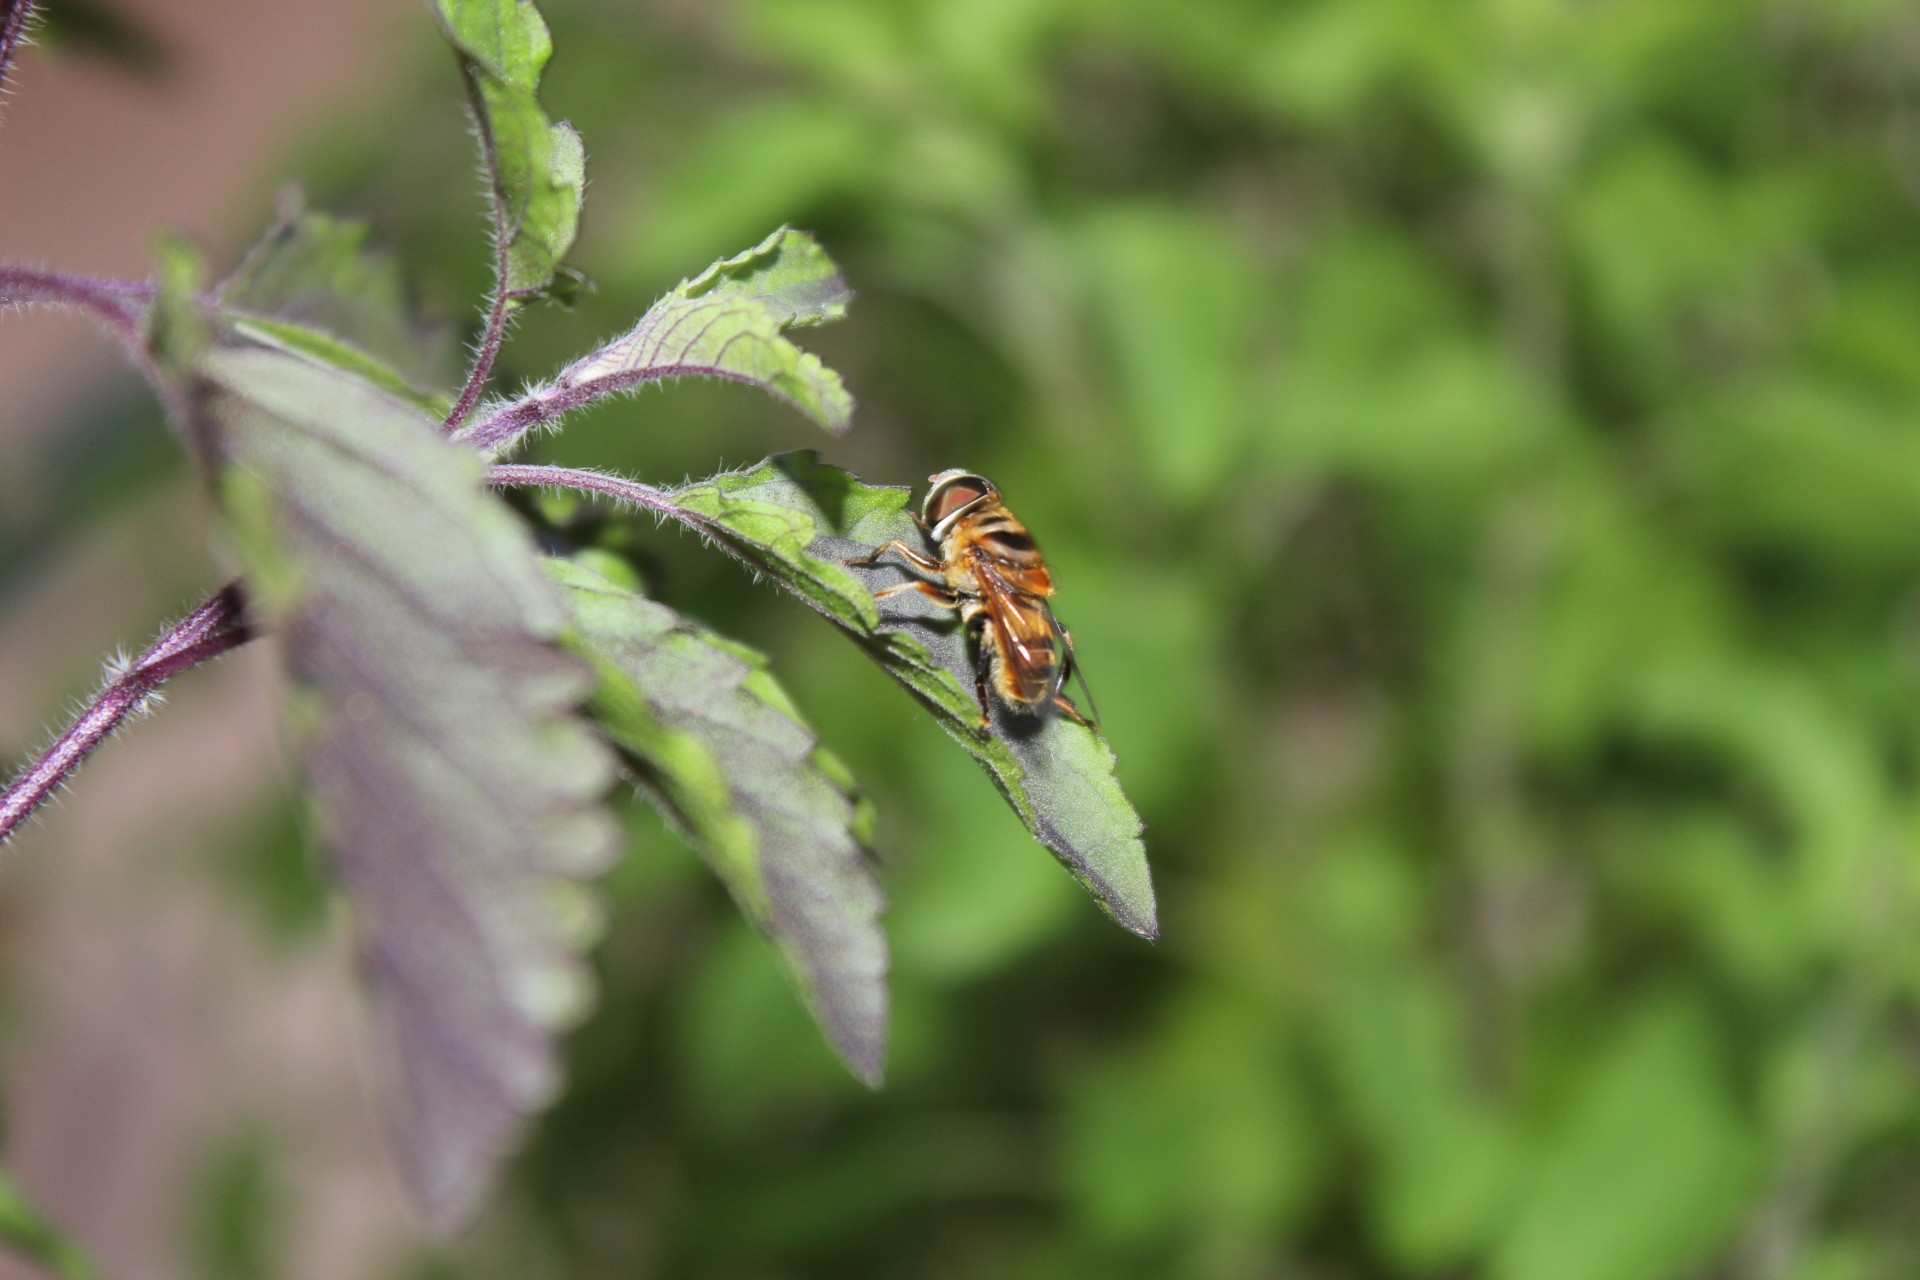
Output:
x,y
456,788
711,738
726,322
538,167
797,520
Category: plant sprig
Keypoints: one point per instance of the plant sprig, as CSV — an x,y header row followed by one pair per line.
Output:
x,y
463,700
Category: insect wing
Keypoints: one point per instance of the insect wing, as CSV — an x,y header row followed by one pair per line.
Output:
x,y
1028,638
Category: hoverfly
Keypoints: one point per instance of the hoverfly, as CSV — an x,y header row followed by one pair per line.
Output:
x,y
994,576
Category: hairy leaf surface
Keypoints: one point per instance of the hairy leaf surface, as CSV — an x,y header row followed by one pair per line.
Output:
x,y
797,520
456,787
712,739
726,322
539,168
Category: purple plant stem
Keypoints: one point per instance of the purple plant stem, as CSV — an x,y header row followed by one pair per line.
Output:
x,y
117,302
496,330
207,632
14,15
597,482
511,421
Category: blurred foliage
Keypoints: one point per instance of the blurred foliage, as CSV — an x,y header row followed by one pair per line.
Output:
x,y
1479,444
28,1234
236,1223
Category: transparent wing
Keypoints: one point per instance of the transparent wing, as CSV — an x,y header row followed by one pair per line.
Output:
x,y
1028,637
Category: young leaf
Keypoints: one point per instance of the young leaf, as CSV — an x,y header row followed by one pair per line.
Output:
x,y
714,742
26,1231
724,323
798,522
538,168
456,788
313,285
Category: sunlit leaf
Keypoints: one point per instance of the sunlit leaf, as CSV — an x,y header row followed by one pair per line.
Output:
x,y
712,739
538,167
798,520
456,790
726,322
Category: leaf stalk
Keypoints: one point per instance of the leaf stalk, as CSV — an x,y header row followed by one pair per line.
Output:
x,y
116,302
496,329
596,482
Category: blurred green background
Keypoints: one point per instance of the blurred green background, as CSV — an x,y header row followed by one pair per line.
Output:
x,y
1479,446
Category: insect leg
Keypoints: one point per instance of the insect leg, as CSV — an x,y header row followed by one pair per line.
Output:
x,y
1070,670
977,627
1072,712
939,595
912,557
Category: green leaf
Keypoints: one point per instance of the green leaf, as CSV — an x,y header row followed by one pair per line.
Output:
x,y
715,743
314,285
1441,1159
726,322
797,520
323,347
26,1231
1195,1132
788,273
456,789
1650,1170
176,326
1177,295
538,167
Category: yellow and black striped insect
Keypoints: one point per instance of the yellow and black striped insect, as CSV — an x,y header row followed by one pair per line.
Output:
x,y
991,571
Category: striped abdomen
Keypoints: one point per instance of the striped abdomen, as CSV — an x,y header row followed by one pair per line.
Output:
x,y
992,536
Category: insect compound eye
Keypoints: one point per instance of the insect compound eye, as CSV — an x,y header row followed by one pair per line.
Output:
x,y
954,496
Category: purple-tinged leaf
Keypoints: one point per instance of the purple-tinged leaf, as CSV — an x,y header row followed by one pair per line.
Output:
x,y
714,742
456,787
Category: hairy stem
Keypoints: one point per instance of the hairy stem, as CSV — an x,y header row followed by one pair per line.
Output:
x,y
115,302
211,630
14,15
595,482
506,424
496,330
